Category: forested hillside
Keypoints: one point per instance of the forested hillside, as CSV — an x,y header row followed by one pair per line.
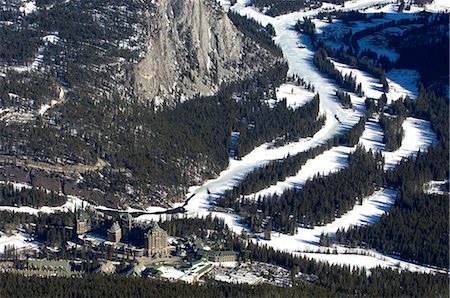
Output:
x,y
68,95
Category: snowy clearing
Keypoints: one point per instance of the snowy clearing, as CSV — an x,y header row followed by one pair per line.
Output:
x,y
418,135
330,161
28,7
45,107
438,6
19,241
372,137
374,89
295,96
436,187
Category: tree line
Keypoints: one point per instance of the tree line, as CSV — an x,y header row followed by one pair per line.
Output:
x,y
279,170
254,30
318,202
346,81
10,196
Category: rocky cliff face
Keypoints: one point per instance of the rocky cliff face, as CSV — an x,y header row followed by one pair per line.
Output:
x,y
193,47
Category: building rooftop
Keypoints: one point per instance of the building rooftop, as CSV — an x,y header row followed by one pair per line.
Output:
x,y
217,253
154,227
114,228
50,265
136,270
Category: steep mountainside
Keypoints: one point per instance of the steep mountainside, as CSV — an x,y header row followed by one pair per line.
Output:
x,y
193,47
83,83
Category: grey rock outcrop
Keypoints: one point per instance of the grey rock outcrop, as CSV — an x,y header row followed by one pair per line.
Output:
x,y
193,47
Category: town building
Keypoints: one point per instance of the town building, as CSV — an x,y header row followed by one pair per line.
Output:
x,y
56,266
106,268
156,244
83,222
114,233
126,223
219,256
136,270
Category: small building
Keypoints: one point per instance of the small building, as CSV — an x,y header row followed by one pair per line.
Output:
x,y
126,222
83,222
114,233
187,275
49,265
136,270
106,268
138,252
157,245
219,256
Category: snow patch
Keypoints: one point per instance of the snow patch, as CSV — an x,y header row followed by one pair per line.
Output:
x,y
295,96
418,135
19,241
28,7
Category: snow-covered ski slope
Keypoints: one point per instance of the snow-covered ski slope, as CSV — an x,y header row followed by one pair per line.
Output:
x,y
300,63
328,162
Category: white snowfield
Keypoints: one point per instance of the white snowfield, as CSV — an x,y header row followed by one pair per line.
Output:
x,y
18,186
437,187
225,4
295,96
330,161
372,137
19,241
28,7
418,135
374,89
15,115
438,6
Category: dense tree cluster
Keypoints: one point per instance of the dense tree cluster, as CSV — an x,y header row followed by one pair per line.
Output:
x,y
426,49
45,143
254,30
344,98
27,89
37,198
280,7
348,57
325,65
281,122
199,227
345,16
19,44
393,131
306,27
53,229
